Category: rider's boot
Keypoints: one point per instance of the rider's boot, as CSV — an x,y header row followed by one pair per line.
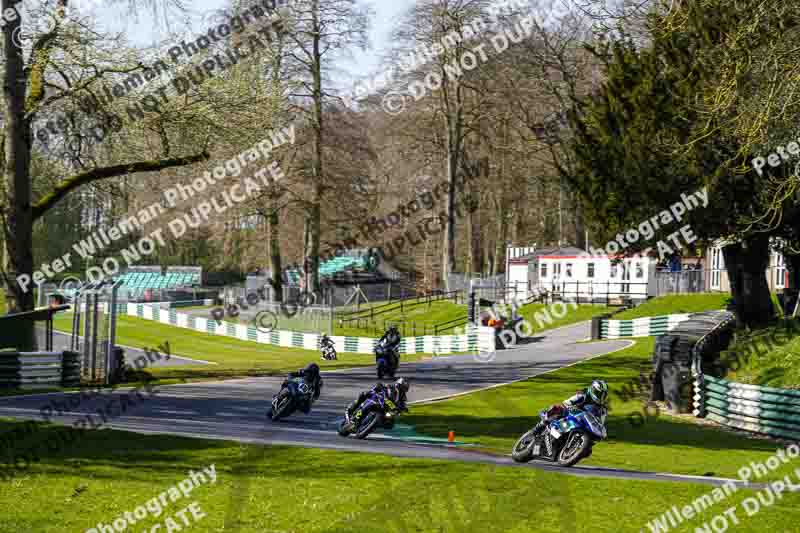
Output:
x,y
352,408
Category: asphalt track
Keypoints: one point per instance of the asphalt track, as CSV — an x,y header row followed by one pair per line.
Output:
x,y
235,409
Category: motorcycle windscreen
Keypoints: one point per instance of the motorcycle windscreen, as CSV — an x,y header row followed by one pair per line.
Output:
x,y
594,425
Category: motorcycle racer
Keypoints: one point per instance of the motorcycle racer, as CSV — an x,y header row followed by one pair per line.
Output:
x,y
397,392
594,395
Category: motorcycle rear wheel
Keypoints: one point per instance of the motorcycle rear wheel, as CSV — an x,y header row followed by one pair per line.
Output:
x,y
523,449
573,451
368,424
381,370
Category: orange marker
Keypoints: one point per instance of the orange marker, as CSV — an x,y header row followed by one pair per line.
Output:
x,y
451,436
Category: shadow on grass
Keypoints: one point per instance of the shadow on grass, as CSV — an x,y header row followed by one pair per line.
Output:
x,y
63,450
660,431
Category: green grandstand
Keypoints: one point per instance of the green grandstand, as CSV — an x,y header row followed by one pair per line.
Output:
x,y
335,266
137,282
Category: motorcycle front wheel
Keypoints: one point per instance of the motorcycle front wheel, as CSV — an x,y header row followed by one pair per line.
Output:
x,y
523,449
283,407
344,428
368,424
578,444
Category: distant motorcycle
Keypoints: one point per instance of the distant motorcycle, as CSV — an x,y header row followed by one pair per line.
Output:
x,y
386,360
565,441
289,398
377,410
328,348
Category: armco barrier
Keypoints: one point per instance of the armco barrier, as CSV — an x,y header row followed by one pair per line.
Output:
x,y
476,338
766,410
640,327
39,370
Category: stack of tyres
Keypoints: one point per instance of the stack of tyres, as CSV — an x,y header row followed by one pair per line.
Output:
x,y
674,354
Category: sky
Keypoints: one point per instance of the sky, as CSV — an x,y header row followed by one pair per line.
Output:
x,y
363,63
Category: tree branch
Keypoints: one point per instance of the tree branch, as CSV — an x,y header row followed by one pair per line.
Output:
x,y
97,174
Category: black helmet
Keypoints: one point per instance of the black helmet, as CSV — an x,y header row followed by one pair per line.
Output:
x,y
312,370
402,385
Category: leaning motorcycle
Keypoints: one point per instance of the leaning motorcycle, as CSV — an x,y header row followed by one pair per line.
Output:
x,y
565,441
386,360
376,411
327,348
292,395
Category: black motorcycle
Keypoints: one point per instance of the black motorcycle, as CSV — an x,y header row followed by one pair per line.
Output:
x,y
386,359
291,396
376,411
328,348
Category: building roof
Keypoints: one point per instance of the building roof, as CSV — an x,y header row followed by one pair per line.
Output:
x,y
565,252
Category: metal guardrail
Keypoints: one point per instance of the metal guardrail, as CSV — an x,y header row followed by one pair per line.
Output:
x,y
766,410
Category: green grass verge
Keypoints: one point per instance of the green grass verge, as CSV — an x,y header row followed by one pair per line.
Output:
x,y
545,316
676,304
280,489
413,321
235,357
495,418
769,357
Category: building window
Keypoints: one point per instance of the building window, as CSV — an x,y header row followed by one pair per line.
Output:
x,y
569,270
613,270
556,270
717,264
639,271
780,271
590,270
543,270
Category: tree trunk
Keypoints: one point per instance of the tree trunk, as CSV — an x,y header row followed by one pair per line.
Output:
x,y
449,248
746,264
500,243
275,266
311,263
16,173
580,226
312,250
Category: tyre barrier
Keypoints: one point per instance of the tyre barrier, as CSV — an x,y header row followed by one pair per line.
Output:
x,y
39,370
702,336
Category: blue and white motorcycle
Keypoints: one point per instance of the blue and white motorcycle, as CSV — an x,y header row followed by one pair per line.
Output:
x,y
565,440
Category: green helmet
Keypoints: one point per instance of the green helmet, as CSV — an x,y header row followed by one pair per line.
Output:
x,y
598,391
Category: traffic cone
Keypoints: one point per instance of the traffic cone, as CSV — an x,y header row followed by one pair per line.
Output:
x,y
451,436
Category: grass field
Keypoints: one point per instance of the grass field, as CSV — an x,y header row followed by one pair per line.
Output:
x,y
495,418
535,313
676,304
414,320
769,357
279,489
234,357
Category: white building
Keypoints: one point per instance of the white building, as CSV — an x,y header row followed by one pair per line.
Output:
x,y
573,273
517,269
